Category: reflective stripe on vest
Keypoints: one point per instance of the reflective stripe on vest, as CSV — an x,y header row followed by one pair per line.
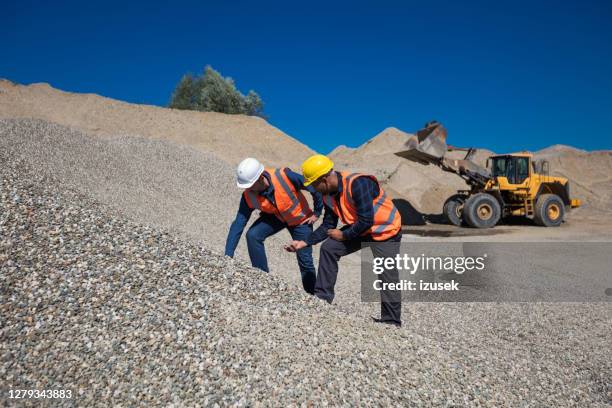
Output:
x,y
389,221
288,214
346,183
253,203
380,201
291,207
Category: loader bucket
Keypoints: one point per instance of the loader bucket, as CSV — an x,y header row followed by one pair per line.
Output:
x,y
428,146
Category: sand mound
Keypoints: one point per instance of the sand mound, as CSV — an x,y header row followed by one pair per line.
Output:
x,y
559,149
230,137
590,174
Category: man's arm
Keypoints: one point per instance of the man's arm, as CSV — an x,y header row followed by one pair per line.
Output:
x,y
235,231
330,221
363,191
298,182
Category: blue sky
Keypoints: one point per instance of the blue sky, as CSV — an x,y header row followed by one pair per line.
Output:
x,y
502,75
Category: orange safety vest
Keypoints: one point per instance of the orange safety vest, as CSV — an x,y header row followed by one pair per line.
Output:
x,y
291,206
387,220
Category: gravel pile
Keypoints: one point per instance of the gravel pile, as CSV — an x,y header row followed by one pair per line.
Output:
x,y
158,183
123,314
120,313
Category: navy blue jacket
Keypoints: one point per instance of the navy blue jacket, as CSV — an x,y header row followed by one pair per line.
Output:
x,y
244,211
363,191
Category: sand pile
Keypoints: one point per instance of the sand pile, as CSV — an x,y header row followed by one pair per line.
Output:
x,y
590,174
230,137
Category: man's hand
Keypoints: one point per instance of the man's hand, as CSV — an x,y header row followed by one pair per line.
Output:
x,y
335,234
310,220
295,246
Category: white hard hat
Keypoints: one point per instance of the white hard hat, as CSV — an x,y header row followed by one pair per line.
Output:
x,y
248,172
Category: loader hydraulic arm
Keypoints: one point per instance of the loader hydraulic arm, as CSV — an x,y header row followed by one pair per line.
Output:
x,y
429,147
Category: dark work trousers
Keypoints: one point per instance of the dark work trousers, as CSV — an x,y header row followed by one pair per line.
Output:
x,y
267,225
332,251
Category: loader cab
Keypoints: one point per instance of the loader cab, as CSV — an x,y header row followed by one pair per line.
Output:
x,y
516,168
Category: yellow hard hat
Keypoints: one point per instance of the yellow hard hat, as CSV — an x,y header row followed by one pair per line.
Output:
x,y
315,167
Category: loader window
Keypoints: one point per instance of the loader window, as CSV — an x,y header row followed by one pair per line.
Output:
x,y
499,167
522,169
511,170
516,169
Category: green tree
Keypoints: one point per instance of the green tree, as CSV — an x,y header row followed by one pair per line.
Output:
x,y
184,95
219,94
253,105
211,92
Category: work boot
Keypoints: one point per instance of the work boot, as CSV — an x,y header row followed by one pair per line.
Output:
x,y
391,322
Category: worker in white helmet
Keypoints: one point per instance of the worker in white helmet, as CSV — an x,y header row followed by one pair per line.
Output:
x,y
277,194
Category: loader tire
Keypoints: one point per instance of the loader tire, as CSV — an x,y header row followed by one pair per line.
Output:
x,y
453,209
549,210
481,210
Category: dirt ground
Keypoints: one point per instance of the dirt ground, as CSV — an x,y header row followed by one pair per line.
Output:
x,y
577,227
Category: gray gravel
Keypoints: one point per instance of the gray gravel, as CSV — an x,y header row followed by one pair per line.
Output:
x,y
124,313
158,183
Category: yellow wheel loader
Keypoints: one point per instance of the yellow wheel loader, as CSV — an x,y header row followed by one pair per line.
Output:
x,y
510,185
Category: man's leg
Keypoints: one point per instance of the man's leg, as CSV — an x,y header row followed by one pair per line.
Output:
x,y
390,300
261,229
331,252
304,257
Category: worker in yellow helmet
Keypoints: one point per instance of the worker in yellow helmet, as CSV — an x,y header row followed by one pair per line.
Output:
x,y
368,215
